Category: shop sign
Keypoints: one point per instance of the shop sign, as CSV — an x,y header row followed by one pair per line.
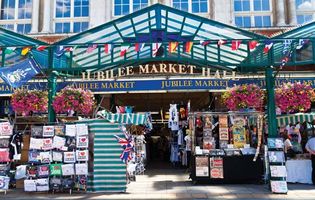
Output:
x,y
158,69
138,85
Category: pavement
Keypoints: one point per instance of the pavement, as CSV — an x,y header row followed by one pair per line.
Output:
x,y
167,183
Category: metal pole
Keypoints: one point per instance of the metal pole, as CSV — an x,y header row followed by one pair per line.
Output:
x,y
271,103
52,84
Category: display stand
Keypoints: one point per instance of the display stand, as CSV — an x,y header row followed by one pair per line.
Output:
x,y
276,159
222,141
5,161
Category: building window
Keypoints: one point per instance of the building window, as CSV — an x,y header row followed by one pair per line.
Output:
x,y
301,19
252,13
71,16
193,6
304,11
243,21
124,7
16,15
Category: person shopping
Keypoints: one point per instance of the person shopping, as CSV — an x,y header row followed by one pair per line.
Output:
x,y
310,147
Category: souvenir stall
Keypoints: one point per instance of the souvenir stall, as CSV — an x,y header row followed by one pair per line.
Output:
x,y
296,126
226,147
134,126
299,127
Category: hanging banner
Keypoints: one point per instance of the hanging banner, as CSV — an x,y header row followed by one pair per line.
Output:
x,y
138,85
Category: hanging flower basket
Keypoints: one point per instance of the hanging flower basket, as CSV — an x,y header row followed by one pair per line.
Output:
x,y
294,97
26,101
243,97
74,99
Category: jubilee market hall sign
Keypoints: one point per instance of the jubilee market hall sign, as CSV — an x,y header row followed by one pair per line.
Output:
x,y
192,79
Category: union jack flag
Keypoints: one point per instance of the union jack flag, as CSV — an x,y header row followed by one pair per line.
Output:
x,y
127,144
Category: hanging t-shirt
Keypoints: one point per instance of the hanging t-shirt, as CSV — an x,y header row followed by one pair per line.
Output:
x,y
180,138
6,129
59,142
29,185
82,155
67,169
69,157
59,130
57,156
20,172
81,169
43,170
48,131
55,170
82,129
173,118
188,142
70,130
82,142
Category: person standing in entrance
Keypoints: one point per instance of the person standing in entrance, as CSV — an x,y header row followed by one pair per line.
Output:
x,y
310,147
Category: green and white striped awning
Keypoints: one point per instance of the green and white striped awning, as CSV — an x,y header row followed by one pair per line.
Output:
x,y
284,120
109,172
124,118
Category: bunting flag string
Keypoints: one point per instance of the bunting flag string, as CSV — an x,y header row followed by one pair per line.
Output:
x,y
107,48
41,47
172,46
221,42
139,46
268,46
25,50
252,44
155,48
188,46
91,48
123,49
236,44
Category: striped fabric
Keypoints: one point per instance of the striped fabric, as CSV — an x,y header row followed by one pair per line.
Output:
x,y
124,118
294,118
109,172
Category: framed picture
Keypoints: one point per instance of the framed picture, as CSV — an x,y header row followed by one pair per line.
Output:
x,y
278,171
279,186
275,143
276,156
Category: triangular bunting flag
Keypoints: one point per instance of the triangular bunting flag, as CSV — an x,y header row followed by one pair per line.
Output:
x,y
9,50
123,49
91,48
41,48
252,44
172,46
268,45
236,44
286,46
60,50
155,48
302,43
107,48
69,49
188,47
221,42
204,42
25,50
139,46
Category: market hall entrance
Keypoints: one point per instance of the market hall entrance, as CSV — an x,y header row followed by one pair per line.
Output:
x,y
166,149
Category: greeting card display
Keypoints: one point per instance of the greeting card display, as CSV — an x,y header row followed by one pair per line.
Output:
x,y
82,142
6,129
276,156
279,186
36,131
48,131
82,129
59,130
275,143
67,169
69,157
71,130
81,169
278,171
82,155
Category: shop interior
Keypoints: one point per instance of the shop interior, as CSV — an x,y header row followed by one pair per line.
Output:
x,y
161,139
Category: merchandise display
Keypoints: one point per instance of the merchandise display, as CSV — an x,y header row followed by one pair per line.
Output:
x,y
278,173
225,139
6,148
57,158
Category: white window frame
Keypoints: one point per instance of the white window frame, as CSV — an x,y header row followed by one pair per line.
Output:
x,y
253,13
70,19
190,7
15,22
306,12
130,8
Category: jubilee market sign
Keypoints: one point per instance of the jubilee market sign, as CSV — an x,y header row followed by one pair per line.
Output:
x,y
191,79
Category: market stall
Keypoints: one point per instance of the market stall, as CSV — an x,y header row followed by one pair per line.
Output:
x,y
299,127
226,147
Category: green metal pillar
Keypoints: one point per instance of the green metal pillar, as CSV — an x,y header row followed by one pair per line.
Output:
x,y
271,103
52,84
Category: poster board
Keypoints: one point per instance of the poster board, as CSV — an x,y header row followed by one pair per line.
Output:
x,y
202,166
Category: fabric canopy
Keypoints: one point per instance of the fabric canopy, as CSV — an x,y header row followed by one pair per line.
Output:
x,y
125,118
284,120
